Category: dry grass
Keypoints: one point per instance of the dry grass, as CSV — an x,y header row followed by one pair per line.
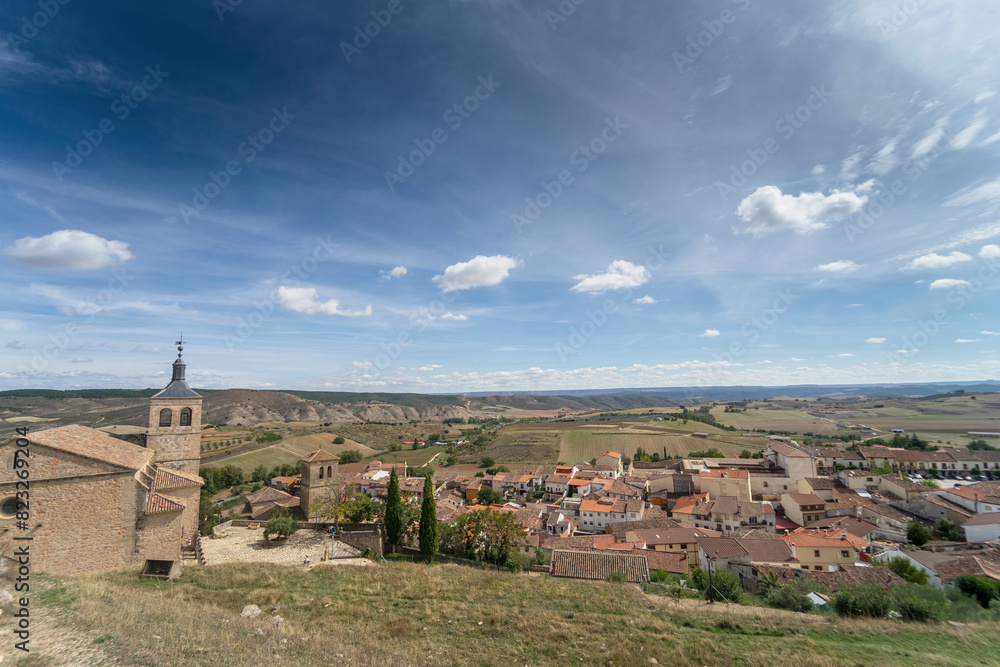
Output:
x,y
405,613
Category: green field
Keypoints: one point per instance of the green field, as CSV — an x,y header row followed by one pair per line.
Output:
x,y
412,457
583,445
290,450
415,614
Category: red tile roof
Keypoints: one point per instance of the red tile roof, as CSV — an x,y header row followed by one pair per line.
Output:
x,y
320,455
167,479
599,565
157,504
93,444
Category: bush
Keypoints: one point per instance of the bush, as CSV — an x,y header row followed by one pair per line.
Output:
x,y
280,524
917,533
699,578
982,589
339,440
350,456
862,601
487,462
725,586
788,596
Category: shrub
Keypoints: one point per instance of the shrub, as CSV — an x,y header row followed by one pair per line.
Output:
x,y
339,440
726,586
917,533
982,589
350,456
699,578
863,600
788,596
280,524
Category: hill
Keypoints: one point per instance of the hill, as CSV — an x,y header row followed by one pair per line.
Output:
x,y
403,613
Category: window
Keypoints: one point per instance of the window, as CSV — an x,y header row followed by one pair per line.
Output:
x,y
818,567
329,471
845,554
816,553
166,416
321,472
186,417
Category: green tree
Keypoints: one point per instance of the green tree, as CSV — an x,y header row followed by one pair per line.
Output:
x,y
930,483
259,474
918,534
280,524
350,456
983,589
393,511
905,569
428,522
949,532
339,440
357,508
488,536
487,462
724,585
487,496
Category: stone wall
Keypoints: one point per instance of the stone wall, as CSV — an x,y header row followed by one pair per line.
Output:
x,y
177,447
159,536
366,536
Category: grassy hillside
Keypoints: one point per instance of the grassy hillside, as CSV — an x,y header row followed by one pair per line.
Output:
x,y
403,613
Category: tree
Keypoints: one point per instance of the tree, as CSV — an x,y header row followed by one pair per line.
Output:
x,y
339,440
724,584
350,456
487,496
280,524
488,536
983,589
930,483
259,474
917,533
357,508
949,532
428,522
393,511
767,583
905,569
487,462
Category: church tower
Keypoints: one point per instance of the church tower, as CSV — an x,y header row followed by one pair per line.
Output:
x,y
319,482
175,422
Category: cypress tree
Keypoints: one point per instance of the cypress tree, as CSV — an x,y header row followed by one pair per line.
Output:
x,y
393,511
428,522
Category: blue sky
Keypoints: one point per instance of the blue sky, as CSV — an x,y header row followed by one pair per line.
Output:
x,y
499,195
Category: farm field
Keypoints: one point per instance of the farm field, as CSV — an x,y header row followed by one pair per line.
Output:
x,y
583,445
290,450
412,457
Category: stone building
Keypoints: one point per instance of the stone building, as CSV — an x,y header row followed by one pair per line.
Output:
x,y
97,501
319,482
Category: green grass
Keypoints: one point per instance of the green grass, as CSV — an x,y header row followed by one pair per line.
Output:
x,y
402,613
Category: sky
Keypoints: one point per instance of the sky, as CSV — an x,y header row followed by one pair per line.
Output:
x,y
498,195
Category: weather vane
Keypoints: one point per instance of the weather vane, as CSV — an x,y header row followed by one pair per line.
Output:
x,y
180,344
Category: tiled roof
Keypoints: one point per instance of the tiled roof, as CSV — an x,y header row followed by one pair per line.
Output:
x,y
851,524
979,565
821,483
805,537
167,479
620,528
787,450
969,493
614,454
719,473
985,519
599,565
767,551
806,499
320,455
603,506
268,494
156,504
94,444
729,505
721,547
848,575
654,536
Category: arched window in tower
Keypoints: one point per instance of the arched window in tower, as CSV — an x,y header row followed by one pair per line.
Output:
x,y
186,417
166,416
321,472
329,471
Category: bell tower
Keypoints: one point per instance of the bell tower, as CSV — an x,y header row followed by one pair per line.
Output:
x,y
175,422
320,478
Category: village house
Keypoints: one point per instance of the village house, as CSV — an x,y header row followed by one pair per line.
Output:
x,y
727,514
720,482
597,514
803,508
671,540
823,549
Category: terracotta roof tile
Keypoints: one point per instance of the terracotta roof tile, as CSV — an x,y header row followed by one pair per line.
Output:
x,y
157,504
167,479
94,444
320,455
599,565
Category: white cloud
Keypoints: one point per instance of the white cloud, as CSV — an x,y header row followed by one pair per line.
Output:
x,y
645,300
709,333
431,367
985,192
454,318
397,272
480,271
968,340
992,139
966,136
990,333
767,210
875,340
818,169
362,364
722,85
306,300
930,140
935,261
796,359
81,360
991,251
620,275
69,249
854,305
842,354
840,266
945,283
905,351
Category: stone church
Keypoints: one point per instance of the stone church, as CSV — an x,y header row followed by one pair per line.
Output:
x,y
98,501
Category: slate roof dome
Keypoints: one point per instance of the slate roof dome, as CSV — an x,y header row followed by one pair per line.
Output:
x,y
178,387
